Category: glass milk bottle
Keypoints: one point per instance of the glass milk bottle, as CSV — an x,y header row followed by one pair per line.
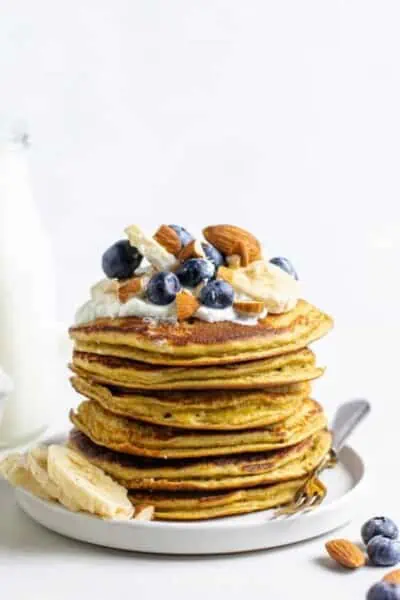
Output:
x,y
27,302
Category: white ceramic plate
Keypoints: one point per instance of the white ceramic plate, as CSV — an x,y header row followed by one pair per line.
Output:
x,y
233,534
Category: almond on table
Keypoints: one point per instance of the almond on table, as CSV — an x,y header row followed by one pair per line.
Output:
x,y
346,553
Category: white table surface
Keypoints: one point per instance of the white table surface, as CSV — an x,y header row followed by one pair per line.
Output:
x,y
36,563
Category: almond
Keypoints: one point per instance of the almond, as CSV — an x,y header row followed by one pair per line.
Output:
x,y
193,249
249,307
393,577
131,287
233,261
144,513
230,239
186,305
169,239
346,553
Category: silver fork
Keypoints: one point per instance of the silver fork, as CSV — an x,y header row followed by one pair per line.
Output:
x,y
313,491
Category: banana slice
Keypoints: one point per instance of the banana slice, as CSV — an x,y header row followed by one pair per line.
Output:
x,y
15,470
87,485
156,254
37,462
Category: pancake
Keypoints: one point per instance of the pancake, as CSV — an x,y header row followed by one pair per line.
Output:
x,y
233,472
214,409
134,437
196,342
193,506
286,369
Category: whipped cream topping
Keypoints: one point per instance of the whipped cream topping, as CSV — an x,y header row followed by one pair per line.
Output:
x,y
110,306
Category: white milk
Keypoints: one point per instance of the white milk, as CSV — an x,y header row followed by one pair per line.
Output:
x,y
27,303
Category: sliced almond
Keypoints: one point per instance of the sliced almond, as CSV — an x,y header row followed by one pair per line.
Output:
x,y
393,577
249,307
186,305
131,287
233,261
169,239
230,240
346,553
156,254
144,513
193,249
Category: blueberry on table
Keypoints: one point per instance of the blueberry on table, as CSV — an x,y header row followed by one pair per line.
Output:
x,y
384,591
162,288
184,236
213,254
379,526
121,260
284,264
194,271
217,294
383,552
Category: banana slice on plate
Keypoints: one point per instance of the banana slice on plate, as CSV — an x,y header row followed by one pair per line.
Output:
x,y
15,470
86,485
37,462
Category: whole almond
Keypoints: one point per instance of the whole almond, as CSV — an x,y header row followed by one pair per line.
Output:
x,y
186,305
193,249
230,239
169,239
249,307
346,553
393,577
131,287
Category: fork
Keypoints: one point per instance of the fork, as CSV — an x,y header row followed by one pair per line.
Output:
x,y
313,491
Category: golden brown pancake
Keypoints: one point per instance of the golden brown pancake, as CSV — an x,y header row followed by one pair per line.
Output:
x,y
213,409
192,506
196,342
280,370
134,437
231,472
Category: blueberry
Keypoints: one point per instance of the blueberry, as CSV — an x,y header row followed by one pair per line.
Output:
x,y
379,526
213,254
184,236
195,270
162,288
384,591
383,552
121,260
217,294
285,264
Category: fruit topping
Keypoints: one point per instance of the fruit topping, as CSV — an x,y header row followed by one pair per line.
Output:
x,y
217,294
163,288
156,254
285,265
213,254
195,270
379,526
121,260
184,236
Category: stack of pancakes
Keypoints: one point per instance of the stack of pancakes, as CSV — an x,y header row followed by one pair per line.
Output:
x,y
199,419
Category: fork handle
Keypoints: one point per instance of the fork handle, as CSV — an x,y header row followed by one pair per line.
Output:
x,y
346,419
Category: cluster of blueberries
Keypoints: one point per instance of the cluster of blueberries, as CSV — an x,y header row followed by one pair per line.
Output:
x,y
383,548
121,260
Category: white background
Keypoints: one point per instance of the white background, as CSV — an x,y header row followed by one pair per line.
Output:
x,y
282,117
